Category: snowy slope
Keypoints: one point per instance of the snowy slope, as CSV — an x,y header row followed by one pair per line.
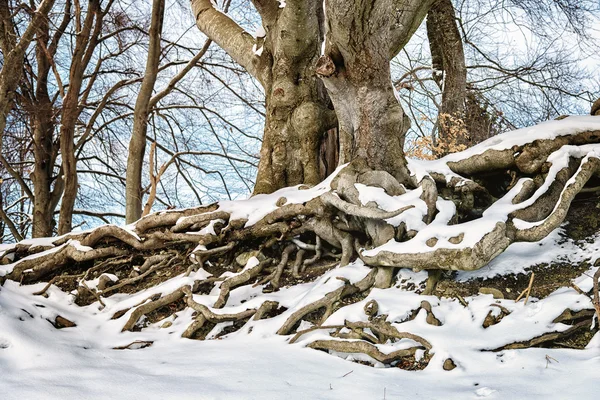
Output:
x,y
39,361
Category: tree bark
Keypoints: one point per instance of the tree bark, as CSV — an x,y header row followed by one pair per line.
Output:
x,y
85,43
450,73
595,108
448,57
45,150
137,144
361,39
298,109
297,113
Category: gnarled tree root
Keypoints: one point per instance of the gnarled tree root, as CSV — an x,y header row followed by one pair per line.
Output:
x,y
333,224
327,302
364,348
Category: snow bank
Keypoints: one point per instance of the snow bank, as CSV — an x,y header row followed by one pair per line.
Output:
x,y
39,361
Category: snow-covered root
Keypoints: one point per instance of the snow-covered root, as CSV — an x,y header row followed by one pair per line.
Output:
x,y
449,216
327,302
364,348
546,209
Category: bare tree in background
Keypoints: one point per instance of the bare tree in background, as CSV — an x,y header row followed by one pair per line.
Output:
x,y
36,99
13,51
146,102
508,84
99,115
137,144
449,68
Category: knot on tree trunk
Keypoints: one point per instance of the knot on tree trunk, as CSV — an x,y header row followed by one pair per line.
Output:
x,y
325,67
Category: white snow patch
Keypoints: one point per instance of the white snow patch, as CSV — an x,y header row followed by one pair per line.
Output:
x,y
257,51
255,362
93,283
260,32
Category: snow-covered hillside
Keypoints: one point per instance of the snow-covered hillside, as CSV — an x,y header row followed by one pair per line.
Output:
x,y
39,361
121,302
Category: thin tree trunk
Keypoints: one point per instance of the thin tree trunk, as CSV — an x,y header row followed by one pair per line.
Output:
x,y
85,44
137,144
44,150
449,72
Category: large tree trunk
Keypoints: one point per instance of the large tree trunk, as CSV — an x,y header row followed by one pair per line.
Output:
x,y
137,144
361,39
297,114
298,109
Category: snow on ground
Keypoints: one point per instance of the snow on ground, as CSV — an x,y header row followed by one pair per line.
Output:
x,y
519,137
39,361
519,256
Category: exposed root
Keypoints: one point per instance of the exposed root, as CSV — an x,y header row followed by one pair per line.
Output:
x,y
542,229
429,196
211,316
170,218
385,330
250,271
164,262
383,180
521,193
364,348
433,278
265,309
199,220
195,326
32,269
150,306
281,266
298,263
198,257
316,257
327,302
548,337
55,279
358,211
301,333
